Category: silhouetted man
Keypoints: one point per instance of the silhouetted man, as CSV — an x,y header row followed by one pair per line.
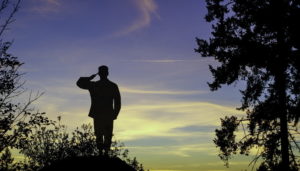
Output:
x,y
105,106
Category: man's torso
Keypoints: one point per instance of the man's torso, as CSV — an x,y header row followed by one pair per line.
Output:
x,y
102,96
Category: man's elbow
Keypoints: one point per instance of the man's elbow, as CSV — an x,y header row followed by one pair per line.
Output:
x,y
79,84
83,82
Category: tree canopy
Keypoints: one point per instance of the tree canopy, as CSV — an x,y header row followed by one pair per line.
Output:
x,y
257,41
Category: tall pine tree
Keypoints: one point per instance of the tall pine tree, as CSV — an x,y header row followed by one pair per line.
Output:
x,y
258,41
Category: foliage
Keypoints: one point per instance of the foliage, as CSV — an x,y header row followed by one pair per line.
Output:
x,y
258,41
6,161
45,145
16,118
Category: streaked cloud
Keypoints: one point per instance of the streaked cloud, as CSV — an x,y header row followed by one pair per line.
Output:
x,y
195,128
161,92
160,60
206,60
177,150
161,118
45,6
147,9
170,117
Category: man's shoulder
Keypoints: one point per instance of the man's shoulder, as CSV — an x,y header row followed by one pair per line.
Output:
x,y
113,84
107,82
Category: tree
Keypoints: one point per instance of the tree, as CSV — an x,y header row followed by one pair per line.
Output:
x,y
17,118
258,41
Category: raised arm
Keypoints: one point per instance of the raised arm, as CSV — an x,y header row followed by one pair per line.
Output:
x,y
117,102
85,82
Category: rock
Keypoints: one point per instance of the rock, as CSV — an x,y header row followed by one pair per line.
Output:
x,y
94,163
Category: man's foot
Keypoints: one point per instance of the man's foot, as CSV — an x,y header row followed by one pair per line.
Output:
x,y
101,153
106,153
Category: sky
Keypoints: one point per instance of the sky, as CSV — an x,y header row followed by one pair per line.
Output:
x,y
168,114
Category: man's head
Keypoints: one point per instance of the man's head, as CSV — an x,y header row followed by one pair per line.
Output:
x,y
103,71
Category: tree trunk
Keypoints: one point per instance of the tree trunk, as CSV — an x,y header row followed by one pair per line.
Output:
x,y
284,142
284,135
281,85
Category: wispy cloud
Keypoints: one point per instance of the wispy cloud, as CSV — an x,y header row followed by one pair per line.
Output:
x,y
159,60
178,150
153,115
147,9
148,117
162,118
161,92
207,60
45,6
195,128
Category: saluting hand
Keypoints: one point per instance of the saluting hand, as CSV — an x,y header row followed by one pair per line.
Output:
x,y
93,76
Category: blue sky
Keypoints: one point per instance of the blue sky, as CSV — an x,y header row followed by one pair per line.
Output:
x,y
168,115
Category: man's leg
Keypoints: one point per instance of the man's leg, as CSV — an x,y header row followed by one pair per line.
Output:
x,y
99,136
108,133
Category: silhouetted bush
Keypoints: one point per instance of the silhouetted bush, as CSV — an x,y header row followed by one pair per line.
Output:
x,y
16,116
46,145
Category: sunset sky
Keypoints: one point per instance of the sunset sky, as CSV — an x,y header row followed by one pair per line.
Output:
x,y
168,114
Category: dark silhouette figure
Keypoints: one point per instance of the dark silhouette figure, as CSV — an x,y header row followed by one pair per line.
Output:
x,y
105,106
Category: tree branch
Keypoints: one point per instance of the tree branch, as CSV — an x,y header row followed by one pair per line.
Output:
x,y
10,19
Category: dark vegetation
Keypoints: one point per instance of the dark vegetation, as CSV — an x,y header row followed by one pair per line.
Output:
x,y
42,142
258,42
51,146
89,163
